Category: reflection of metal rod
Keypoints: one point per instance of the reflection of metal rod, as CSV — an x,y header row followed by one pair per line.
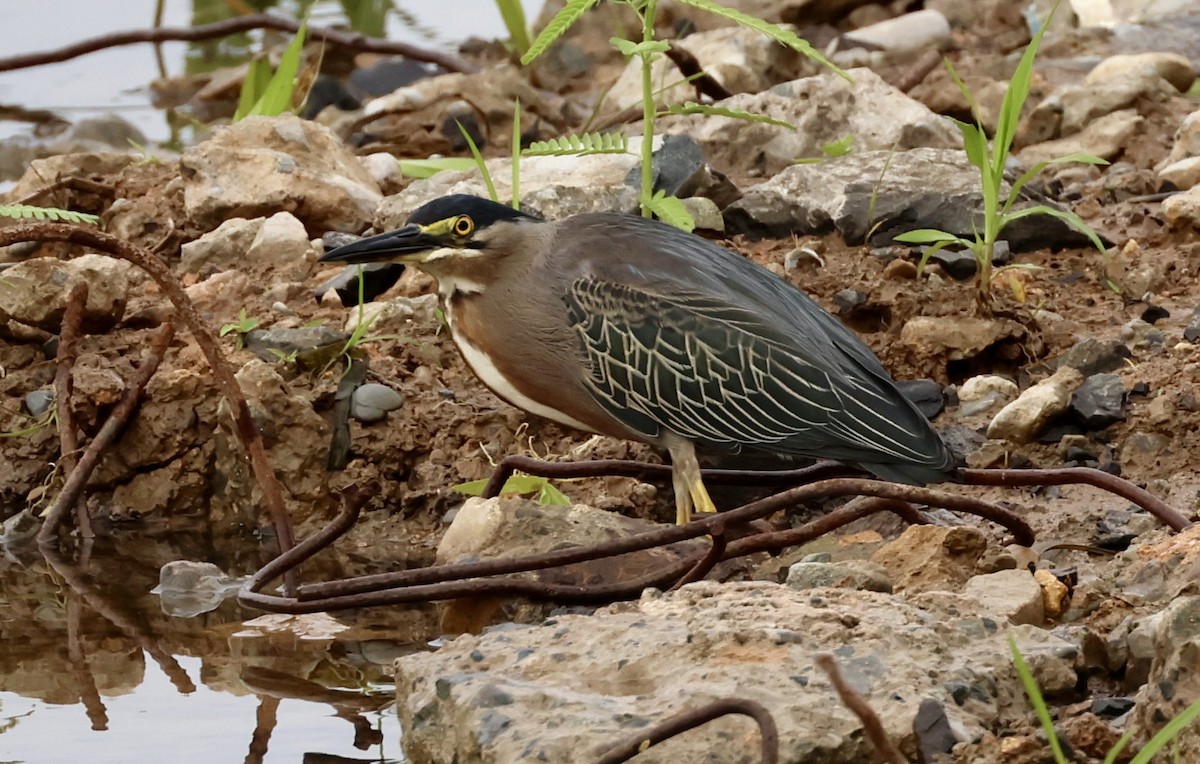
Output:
x,y
689,720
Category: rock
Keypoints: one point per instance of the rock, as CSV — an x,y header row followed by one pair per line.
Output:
x,y
1055,595
371,402
1191,332
221,296
1183,210
678,168
569,687
1099,401
960,264
933,730
188,589
273,345
925,393
393,316
1172,682
282,241
1022,420
955,336
921,188
221,248
982,394
1172,67
705,213
1141,335
1106,137
910,31
880,117
264,165
19,528
1092,356
931,557
35,292
1084,104
743,60
1187,139
384,168
38,402
1183,174
900,270
1011,594
850,574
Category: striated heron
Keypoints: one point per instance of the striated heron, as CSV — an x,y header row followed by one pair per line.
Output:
x,y
628,327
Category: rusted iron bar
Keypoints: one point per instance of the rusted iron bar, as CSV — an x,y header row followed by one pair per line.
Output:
x,y
351,40
68,435
1080,475
715,553
858,705
689,720
72,489
205,337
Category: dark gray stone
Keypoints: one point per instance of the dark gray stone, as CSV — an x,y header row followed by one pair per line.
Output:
x,y
1092,356
960,264
849,299
679,168
1099,401
273,344
371,402
1191,332
38,402
925,393
933,731
1111,708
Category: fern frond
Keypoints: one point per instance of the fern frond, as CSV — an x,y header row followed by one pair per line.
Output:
x,y
557,27
579,145
692,107
26,211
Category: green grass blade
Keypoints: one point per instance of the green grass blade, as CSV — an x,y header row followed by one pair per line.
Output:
x,y
1037,701
426,168
1070,218
1169,732
514,21
254,84
775,32
1120,745
277,97
1016,95
558,26
478,158
928,236
516,156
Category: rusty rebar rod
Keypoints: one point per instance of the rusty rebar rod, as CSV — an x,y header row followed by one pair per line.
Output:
x,y
68,435
72,489
689,720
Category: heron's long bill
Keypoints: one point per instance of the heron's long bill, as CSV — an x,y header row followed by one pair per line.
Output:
x,y
404,245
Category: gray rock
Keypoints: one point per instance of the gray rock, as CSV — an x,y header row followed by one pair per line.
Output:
x,y
221,248
1023,420
1141,335
1092,356
1173,640
271,345
850,574
264,165
35,292
38,402
935,735
880,117
1012,594
921,188
910,31
1191,332
960,264
984,393
371,402
1172,67
580,683
1105,137
1182,174
1099,401
678,168
1084,104
957,337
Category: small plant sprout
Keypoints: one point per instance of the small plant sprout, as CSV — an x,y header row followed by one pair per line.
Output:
x,y
648,49
243,326
540,488
997,211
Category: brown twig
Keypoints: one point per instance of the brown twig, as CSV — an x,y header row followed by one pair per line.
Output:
x,y
351,40
68,436
855,702
689,720
205,337
72,489
705,83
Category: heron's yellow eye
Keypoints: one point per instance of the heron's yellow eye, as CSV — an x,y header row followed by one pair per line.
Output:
x,y
464,226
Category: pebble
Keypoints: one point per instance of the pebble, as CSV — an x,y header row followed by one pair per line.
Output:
x,y
38,402
371,402
1023,420
1099,401
900,270
1141,335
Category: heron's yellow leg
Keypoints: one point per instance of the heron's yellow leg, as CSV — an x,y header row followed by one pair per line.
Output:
x,y
690,492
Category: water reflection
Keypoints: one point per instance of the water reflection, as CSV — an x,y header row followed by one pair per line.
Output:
x,y
91,669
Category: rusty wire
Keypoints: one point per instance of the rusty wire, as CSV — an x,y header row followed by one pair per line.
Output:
x,y
64,384
689,720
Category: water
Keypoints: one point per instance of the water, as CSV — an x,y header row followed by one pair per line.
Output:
x,y
116,80
92,670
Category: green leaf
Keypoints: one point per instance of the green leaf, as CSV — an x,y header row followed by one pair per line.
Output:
x,y
691,107
478,159
1119,746
562,21
425,168
775,32
277,96
513,14
254,84
1070,218
520,485
839,148
629,48
928,236
1036,700
549,495
46,213
1016,95
670,210
579,145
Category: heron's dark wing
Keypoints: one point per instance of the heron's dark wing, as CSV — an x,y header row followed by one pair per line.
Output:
x,y
720,375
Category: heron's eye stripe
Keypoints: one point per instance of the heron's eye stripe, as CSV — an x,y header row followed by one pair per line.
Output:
x,y
463,226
